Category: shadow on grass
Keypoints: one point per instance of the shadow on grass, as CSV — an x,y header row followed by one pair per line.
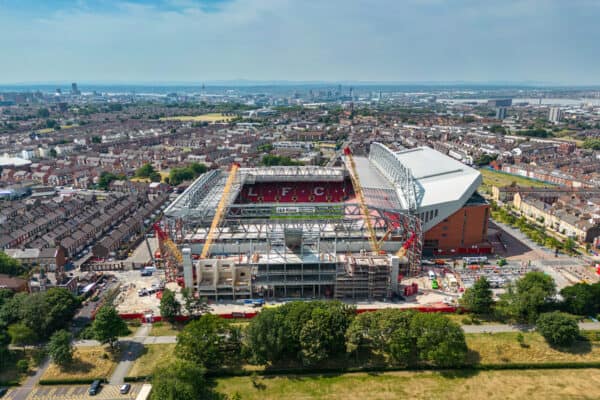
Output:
x,y
131,350
459,373
581,346
77,366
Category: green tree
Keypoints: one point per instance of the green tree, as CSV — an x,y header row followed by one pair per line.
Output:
x,y
60,348
96,139
107,177
169,306
559,329
179,380
524,300
569,245
145,171
439,340
62,306
479,298
108,325
193,305
581,299
9,265
43,113
210,341
323,336
4,342
21,335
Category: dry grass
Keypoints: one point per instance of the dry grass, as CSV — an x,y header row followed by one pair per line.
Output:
x,y
489,385
154,355
493,178
210,117
88,362
165,329
503,348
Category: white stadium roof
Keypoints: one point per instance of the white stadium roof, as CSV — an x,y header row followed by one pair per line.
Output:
x,y
426,181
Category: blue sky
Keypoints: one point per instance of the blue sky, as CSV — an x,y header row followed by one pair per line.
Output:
x,y
553,41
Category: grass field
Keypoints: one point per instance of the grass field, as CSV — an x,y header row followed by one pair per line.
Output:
x,y
210,117
503,348
494,178
88,362
155,354
489,385
165,329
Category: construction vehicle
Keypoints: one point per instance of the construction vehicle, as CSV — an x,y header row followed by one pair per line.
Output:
x,y
169,253
220,212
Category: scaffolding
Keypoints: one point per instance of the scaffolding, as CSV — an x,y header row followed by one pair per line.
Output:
x,y
364,276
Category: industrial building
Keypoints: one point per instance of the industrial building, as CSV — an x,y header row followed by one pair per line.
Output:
x,y
338,232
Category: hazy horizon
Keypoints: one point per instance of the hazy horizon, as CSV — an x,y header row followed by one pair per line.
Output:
x,y
548,42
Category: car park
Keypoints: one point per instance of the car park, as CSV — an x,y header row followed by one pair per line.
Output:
x,y
95,388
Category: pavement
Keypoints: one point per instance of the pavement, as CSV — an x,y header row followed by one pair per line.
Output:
x,y
78,392
497,328
131,350
23,391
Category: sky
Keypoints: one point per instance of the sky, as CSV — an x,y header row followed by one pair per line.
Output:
x,y
403,41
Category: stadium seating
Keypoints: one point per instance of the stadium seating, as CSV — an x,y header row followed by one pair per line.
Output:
x,y
296,192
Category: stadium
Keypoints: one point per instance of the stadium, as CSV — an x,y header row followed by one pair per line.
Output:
x,y
347,232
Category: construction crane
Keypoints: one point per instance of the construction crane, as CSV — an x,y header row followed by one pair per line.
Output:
x,y
220,212
169,252
406,245
375,245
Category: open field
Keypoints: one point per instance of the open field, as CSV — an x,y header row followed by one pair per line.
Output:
x,y
463,385
494,178
210,117
88,362
503,348
154,355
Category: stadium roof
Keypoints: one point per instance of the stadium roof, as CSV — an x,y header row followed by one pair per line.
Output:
x,y
439,178
424,180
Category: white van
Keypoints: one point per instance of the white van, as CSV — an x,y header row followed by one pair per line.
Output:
x,y
431,275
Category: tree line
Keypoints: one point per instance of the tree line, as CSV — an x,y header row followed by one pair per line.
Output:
x,y
307,334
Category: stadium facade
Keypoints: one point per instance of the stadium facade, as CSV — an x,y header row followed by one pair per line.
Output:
x,y
298,232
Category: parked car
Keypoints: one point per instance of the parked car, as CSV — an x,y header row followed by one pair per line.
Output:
x,y
95,387
125,388
3,391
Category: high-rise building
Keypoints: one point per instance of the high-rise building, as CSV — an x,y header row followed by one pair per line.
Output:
x,y
500,103
555,115
501,112
74,90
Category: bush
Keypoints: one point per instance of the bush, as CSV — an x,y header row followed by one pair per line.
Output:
x,y
559,329
23,366
466,321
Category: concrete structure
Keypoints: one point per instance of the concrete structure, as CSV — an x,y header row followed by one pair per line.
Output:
x,y
555,115
300,232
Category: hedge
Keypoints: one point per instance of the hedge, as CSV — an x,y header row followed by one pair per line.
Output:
x,y
137,378
315,371
9,383
72,381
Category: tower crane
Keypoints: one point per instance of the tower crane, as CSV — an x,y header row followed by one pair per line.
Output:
x,y
375,245
169,252
220,212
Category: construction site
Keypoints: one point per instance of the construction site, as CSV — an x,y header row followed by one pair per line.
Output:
x,y
350,232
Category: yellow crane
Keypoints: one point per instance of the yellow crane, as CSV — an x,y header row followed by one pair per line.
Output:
x,y
219,212
168,252
375,245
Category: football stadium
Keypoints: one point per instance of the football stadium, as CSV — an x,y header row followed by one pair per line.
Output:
x,y
348,232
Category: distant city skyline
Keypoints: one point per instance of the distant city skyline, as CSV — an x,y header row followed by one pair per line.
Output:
x,y
549,42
